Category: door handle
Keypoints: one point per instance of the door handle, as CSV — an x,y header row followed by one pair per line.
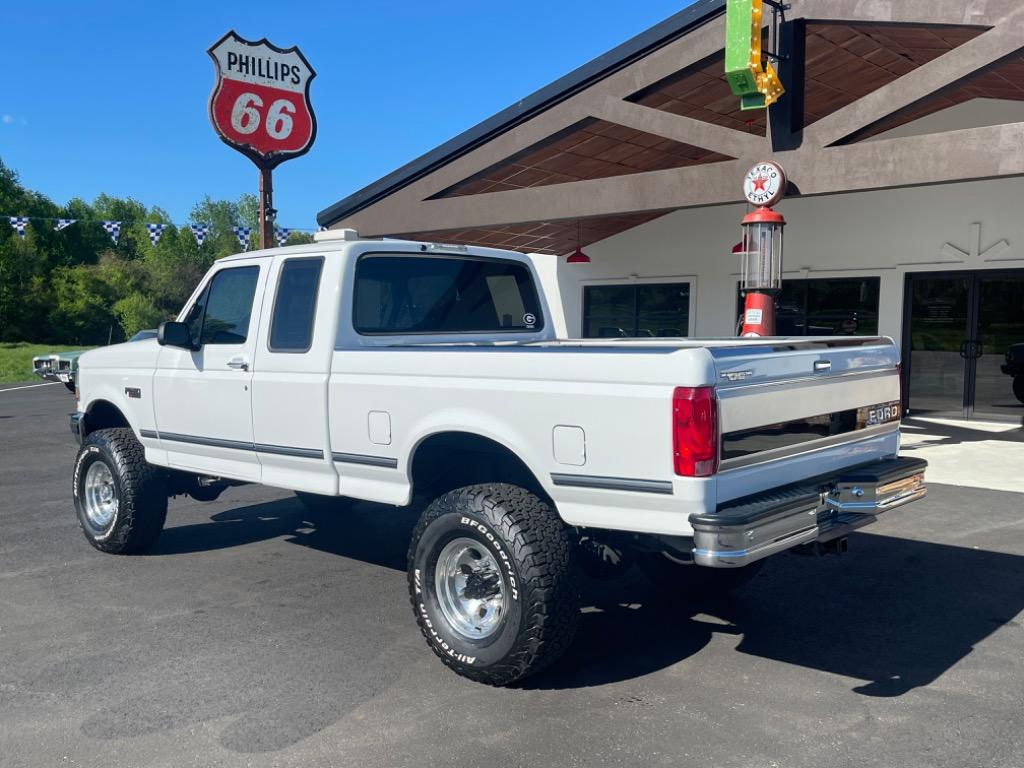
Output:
x,y
239,364
978,350
963,348
822,366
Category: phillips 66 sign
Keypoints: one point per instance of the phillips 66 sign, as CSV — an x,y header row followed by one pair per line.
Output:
x,y
260,103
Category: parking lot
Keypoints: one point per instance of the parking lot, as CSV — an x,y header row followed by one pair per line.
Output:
x,y
257,633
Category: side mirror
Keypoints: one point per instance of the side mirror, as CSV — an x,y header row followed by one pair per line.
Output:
x,y
174,334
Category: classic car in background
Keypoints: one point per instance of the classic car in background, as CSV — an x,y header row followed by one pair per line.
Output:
x,y
63,366
58,366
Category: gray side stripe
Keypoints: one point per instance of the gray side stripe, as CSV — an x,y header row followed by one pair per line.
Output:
x,y
238,445
358,458
284,450
613,483
214,442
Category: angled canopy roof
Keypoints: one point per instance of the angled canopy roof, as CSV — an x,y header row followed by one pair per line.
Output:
x,y
652,126
670,29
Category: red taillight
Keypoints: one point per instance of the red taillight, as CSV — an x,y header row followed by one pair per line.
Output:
x,y
695,431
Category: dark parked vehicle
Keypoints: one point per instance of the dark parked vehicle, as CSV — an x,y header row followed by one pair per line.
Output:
x,y
1014,367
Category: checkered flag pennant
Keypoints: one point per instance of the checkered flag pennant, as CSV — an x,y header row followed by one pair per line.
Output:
x,y
281,234
19,222
155,230
200,231
242,233
113,229
63,224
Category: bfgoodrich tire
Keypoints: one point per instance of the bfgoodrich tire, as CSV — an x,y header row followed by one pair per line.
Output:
x,y
493,582
121,501
694,582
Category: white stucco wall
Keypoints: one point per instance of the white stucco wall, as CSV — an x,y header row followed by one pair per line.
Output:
x,y
885,233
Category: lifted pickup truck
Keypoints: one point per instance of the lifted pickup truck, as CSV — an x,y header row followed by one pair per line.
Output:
x,y
384,371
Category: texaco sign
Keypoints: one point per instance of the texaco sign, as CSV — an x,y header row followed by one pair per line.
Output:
x,y
260,103
764,184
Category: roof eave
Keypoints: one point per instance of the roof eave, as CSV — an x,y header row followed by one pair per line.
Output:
x,y
659,35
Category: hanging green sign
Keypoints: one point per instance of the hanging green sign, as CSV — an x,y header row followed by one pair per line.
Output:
x,y
750,78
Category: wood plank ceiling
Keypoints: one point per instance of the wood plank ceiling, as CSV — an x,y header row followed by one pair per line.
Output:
x,y
844,62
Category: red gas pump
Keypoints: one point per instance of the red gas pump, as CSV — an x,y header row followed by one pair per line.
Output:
x,y
760,249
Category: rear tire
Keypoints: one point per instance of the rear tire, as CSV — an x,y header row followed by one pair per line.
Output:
x,y
1018,386
70,385
694,581
493,582
120,499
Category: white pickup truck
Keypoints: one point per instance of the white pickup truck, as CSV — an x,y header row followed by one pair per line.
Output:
x,y
384,371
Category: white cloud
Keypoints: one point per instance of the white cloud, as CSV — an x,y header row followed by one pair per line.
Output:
x,y
8,119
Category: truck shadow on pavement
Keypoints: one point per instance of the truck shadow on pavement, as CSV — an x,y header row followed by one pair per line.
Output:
x,y
894,613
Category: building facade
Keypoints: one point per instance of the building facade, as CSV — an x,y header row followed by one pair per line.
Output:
x,y
902,133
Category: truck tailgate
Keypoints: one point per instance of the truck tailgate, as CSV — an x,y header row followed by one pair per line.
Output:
x,y
789,398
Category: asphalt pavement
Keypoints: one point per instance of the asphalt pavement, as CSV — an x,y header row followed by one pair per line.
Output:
x,y
260,634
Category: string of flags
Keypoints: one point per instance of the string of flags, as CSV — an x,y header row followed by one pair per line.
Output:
x,y
200,230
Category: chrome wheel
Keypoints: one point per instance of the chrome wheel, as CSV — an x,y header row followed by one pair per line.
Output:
x,y
470,588
99,495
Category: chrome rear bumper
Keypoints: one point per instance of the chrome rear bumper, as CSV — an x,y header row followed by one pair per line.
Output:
x,y
818,510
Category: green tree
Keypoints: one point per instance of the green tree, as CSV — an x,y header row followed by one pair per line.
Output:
x,y
76,286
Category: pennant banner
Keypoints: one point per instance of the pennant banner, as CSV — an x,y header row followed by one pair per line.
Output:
x,y
242,233
113,229
19,222
200,231
155,230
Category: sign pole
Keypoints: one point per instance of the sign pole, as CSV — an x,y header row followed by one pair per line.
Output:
x,y
266,208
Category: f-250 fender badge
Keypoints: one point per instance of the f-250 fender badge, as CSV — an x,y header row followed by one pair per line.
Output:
x,y
736,375
133,392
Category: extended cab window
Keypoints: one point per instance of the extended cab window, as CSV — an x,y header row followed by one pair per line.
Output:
x,y
221,315
443,294
291,327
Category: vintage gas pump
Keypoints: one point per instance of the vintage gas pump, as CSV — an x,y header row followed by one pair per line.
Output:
x,y
761,249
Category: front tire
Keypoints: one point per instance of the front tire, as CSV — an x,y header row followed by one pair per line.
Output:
x,y
120,500
493,582
694,582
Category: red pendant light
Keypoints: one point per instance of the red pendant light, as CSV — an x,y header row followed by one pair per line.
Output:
x,y
578,256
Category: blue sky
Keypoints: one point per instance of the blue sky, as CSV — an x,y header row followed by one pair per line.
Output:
x,y
111,97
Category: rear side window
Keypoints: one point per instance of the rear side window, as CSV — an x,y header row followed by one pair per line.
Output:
x,y
227,306
443,294
291,327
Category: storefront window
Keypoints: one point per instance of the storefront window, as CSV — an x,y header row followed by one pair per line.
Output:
x,y
833,307
648,310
